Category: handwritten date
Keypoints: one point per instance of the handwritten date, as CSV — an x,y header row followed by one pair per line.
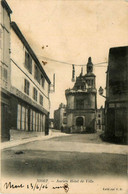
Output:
x,y
35,186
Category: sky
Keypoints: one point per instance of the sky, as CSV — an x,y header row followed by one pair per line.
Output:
x,y
71,31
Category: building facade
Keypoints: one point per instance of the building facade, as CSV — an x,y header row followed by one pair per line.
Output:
x,y
5,13
82,103
116,105
60,118
25,86
30,86
100,120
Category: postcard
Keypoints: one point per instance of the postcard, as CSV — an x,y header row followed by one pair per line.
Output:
x,y
64,88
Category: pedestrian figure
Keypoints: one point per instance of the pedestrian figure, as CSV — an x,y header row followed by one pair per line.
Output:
x,y
62,128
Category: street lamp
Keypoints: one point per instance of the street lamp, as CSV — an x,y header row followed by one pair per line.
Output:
x,y
101,91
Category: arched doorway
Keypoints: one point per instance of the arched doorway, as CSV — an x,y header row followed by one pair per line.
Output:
x,y
79,121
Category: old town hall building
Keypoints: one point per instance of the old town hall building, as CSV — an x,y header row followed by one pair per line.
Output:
x,y
82,103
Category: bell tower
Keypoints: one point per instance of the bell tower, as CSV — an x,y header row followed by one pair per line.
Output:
x,y
90,77
89,65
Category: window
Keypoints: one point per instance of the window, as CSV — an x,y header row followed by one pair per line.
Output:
x,y
37,119
22,117
31,120
28,62
5,73
42,80
4,76
37,74
19,117
39,122
42,122
35,94
79,104
26,86
41,99
33,123
98,115
26,119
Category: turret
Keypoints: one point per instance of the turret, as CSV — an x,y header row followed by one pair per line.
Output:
x,y
89,66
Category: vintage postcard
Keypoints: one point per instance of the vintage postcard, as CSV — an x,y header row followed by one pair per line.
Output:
x,y
64,96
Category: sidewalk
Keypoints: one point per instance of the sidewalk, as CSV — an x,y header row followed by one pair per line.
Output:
x,y
9,144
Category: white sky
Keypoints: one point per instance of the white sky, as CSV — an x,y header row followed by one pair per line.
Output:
x,y
73,30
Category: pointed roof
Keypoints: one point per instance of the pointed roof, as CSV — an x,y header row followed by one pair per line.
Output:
x,y
89,69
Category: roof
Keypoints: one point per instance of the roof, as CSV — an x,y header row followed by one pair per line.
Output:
x,y
29,49
117,49
6,6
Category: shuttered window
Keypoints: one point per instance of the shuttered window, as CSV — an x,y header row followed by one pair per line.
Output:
x,y
35,94
41,99
28,62
26,86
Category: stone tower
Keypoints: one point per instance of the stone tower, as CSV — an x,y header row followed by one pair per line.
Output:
x,y
82,103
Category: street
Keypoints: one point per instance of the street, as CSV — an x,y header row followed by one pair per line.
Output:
x,y
74,155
